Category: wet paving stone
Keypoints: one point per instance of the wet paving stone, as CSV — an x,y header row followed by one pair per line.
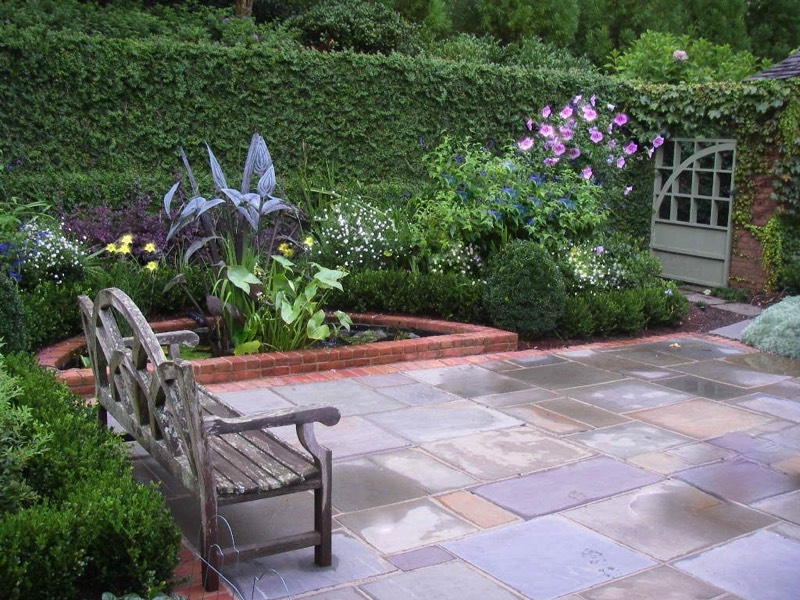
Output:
x,y
697,386
754,448
545,419
360,484
502,454
772,405
651,354
349,397
788,436
422,424
629,439
572,557
668,519
424,557
731,374
565,487
740,480
451,581
661,583
701,418
768,363
625,396
430,474
405,526
418,394
762,566
786,506
514,398
468,381
585,413
563,375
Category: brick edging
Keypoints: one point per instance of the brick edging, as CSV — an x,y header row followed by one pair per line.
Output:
x,y
456,340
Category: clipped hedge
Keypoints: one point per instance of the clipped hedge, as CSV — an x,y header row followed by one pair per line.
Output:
x,y
94,529
93,105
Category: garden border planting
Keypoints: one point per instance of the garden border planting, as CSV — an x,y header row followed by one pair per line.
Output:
x,y
457,339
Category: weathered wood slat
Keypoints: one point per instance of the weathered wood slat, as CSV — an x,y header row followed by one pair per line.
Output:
x,y
220,455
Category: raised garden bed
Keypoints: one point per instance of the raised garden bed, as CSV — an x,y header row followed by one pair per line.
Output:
x,y
451,339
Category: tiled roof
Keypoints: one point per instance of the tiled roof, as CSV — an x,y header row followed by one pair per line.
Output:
x,y
786,69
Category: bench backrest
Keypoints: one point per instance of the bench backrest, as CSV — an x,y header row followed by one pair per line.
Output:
x,y
154,398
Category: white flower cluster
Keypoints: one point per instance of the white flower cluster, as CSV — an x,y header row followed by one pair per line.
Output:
x,y
357,235
48,254
593,269
458,257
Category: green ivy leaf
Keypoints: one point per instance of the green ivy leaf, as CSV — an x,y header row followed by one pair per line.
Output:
x,y
241,278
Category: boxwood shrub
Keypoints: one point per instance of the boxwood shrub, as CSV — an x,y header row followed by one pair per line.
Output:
x,y
524,289
94,529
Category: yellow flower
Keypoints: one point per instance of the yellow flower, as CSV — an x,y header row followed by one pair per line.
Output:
x,y
111,248
126,240
286,250
149,247
308,242
151,266
124,248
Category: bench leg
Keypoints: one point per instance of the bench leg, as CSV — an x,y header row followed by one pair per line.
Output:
x,y
323,554
208,548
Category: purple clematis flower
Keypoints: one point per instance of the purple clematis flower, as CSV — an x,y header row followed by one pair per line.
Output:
x,y
630,148
525,144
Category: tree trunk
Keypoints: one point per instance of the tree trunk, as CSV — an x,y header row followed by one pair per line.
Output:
x,y
243,8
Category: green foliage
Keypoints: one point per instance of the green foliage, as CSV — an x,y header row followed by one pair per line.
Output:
x,y
554,21
773,27
524,289
447,295
95,528
663,304
51,312
668,58
21,439
577,320
777,329
430,13
368,27
12,320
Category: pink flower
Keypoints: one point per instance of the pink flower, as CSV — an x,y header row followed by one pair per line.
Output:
x,y
529,124
577,99
566,133
612,144
551,162
559,149
595,135
589,114
599,250
525,144
620,162
630,148
587,173
566,112
657,141
546,131
680,55
628,190
620,119
574,153
650,152
593,99
546,112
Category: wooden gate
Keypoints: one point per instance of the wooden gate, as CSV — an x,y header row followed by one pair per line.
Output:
x,y
691,226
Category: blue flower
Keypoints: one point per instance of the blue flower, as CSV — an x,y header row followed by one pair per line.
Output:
x,y
512,193
449,178
16,277
496,215
566,202
536,201
535,179
462,194
509,165
520,209
482,173
458,159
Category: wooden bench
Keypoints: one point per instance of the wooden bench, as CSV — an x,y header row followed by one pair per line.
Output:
x,y
222,457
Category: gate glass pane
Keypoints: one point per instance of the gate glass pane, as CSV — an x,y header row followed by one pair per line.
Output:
x,y
685,182
724,185
665,208
705,184
706,162
703,211
723,209
684,210
725,160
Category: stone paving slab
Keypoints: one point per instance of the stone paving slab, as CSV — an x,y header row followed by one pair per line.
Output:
x,y
468,381
730,373
565,487
661,583
668,519
627,395
629,439
548,557
762,566
701,418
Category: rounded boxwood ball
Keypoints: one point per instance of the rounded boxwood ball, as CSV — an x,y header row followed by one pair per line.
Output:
x,y
12,320
524,289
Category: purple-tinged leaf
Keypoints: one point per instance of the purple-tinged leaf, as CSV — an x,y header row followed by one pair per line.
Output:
x,y
189,173
266,185
216,170
168,197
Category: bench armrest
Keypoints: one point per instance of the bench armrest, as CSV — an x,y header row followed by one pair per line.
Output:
x,y
300,415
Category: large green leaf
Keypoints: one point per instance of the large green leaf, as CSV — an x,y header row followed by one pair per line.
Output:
x,y
316,328
241,278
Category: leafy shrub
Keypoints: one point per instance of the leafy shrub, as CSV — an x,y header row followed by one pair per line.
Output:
x,y
606,312
524,289
631,317
663,304
95,529
448,296
366,27
46,254
667,58
51,312
12,321
777,329
21,439
577,320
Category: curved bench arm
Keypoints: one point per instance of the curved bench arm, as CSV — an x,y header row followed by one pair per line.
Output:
x,y
301,415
